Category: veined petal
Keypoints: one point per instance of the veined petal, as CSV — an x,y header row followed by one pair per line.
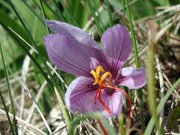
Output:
x,y
132,78
117,44
113,101
70,55
114,66
80,96
77,33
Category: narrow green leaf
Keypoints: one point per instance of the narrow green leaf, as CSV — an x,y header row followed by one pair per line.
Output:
x,y
69,17
133,35
7,114
36,47
5,107
24,46
59,16
121,125
109,12
6,20
173,117
62,106
44,14
32,10
50,81
94,16
78,11
140,94
149,128
9,92
59,9
27,16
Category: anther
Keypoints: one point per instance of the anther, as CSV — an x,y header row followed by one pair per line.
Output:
x,y
99,69
96,77
104,76
99,78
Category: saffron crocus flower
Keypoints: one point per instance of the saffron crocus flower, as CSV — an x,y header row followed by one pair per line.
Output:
x,y
99,71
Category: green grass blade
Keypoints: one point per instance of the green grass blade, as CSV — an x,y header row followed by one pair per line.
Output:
x,y
109,13
5,107
69,17
121,125
7,114
59,97
51,81
32,10
78,11
24,25
62,106
99,16
140,94
150,125
123,3
94,16
36,47
42,9
58,15
44,14
133,35
23,45
9,92
60,12
6,20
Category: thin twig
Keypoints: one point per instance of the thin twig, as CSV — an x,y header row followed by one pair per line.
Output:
x,y
161,83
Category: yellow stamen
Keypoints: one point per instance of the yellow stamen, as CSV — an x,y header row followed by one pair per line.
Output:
x,y
99,78
99,69
104,76
96,77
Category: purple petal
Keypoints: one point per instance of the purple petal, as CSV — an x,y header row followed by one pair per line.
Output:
x,y
117,45
77,33
132,78
114,66
113,101
80,98
70,55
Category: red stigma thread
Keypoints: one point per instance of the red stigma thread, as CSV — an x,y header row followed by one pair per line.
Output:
x,y
98,95
127,96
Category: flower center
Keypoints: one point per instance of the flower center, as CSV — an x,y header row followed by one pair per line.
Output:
x,y
100,75
103,78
